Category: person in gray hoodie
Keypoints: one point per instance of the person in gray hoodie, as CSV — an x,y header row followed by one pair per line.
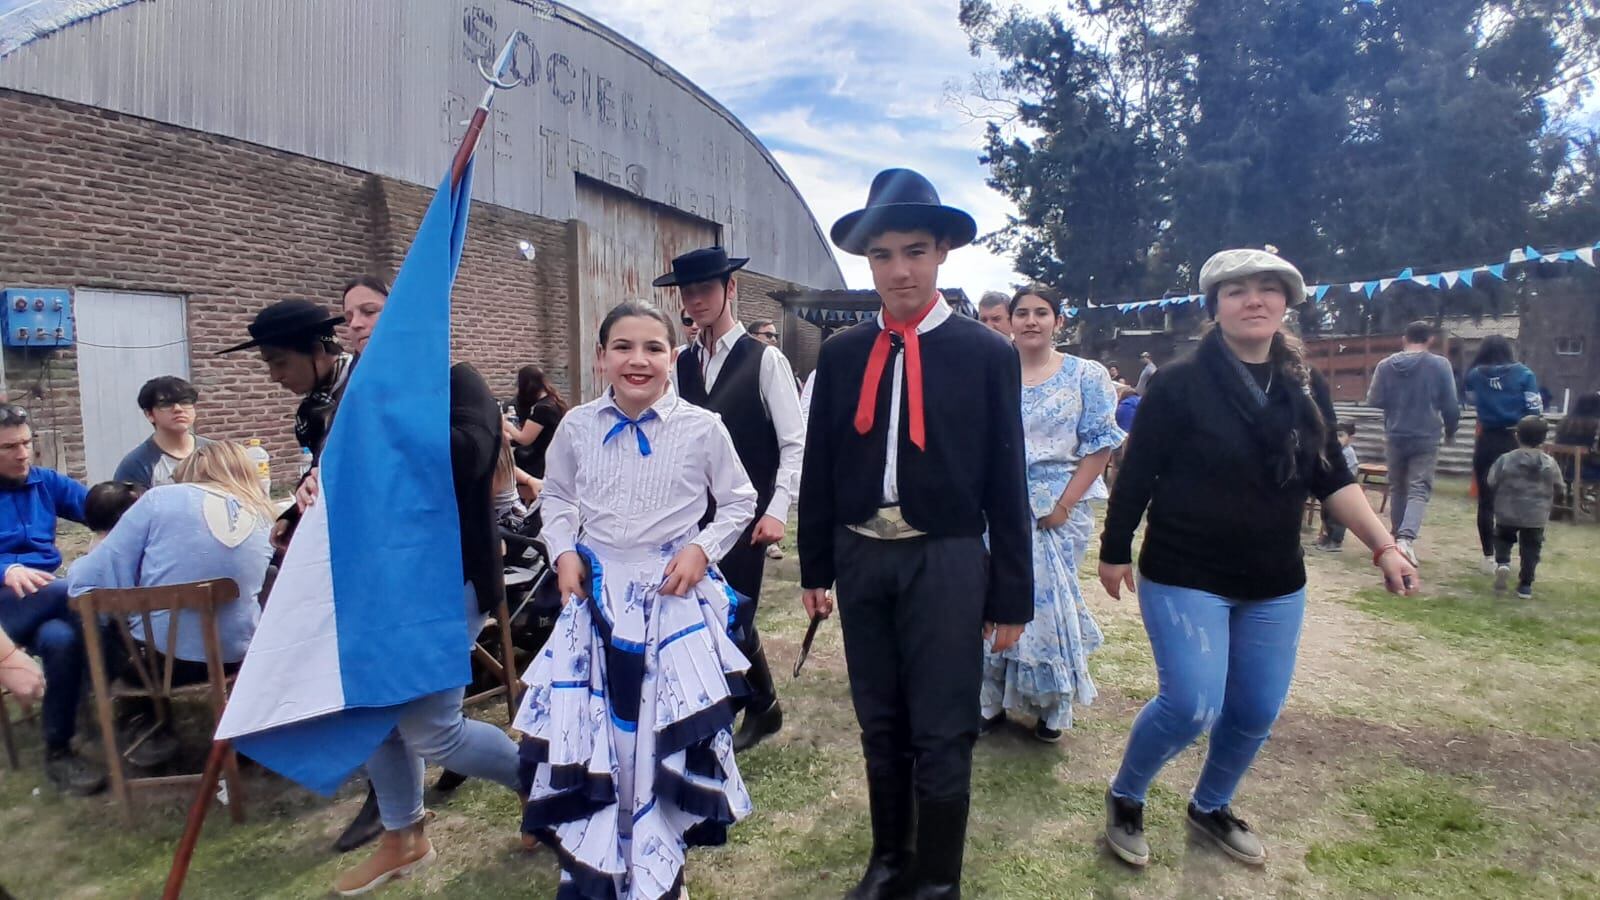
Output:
x,y
1524,483
1416,390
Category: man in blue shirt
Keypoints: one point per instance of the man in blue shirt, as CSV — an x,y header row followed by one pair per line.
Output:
x,y
33,602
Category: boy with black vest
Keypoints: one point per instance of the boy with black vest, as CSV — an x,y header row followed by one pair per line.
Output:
x,y
914,446
750,384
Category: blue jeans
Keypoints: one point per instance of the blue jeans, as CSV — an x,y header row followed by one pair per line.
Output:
x,y
433,729
47,626
1224,667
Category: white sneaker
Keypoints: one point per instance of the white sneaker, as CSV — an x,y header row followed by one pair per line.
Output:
x,y
1488,565
1502,576
1406,550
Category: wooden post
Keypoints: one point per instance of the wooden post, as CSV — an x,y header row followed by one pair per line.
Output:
x,y
220,750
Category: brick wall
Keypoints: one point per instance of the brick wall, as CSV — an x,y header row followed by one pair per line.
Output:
x,y
800,339
94,199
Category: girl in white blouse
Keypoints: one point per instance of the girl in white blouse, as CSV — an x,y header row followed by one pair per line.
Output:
x,y
628,757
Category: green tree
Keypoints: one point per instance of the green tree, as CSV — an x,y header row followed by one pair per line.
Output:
x,y
1358,137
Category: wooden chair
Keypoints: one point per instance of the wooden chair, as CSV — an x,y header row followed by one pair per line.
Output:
x,y
5,732
1375,477
150,672
504,668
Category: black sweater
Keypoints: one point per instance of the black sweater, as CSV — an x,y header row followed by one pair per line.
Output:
x,y
1217,522
972,475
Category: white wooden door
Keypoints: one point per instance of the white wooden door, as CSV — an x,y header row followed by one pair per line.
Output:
x,y
124,340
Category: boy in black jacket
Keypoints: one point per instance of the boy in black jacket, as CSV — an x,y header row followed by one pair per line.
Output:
x,y
914,447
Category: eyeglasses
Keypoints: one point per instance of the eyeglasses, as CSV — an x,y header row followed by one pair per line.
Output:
x,y
767,335
169,405
688,322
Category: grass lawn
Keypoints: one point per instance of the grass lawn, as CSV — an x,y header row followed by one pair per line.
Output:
x,y
1439,746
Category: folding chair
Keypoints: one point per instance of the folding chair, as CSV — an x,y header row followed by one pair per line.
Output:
x,y
151,672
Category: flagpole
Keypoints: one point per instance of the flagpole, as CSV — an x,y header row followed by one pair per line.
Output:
x,y
495,78
212,774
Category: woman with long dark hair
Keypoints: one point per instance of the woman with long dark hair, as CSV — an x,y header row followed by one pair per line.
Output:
x,y
1503,391
539,409
1069,429
1231,441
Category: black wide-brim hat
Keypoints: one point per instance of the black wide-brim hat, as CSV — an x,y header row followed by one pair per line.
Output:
x,y
285,320
902,200
700,265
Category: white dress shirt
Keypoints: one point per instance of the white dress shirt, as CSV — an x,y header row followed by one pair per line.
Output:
x,y
782,401
891,461
607,492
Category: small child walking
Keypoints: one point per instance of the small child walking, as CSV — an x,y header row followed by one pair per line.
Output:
x,y
1524,483
1332,538
628,755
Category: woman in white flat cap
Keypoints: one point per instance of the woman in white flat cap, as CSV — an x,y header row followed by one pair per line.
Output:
x,y
1231,442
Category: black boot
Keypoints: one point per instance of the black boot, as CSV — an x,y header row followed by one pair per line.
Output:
x,y
941,838
365,828
889,870
763,717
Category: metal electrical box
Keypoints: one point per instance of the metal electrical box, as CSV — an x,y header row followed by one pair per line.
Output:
x,y
38,317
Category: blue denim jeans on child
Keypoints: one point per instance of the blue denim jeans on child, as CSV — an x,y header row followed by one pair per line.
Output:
x,y
1224,667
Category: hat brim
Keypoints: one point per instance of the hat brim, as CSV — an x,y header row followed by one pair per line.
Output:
x,y
284,333
735,263
853,230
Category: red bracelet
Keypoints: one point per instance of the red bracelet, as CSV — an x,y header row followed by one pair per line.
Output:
x,y
1378,553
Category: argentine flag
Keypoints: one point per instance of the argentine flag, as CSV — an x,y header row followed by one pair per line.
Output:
x,y
368,610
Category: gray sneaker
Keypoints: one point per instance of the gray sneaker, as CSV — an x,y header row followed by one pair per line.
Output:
x,y
1230,833
73,774
1502,576
1125,830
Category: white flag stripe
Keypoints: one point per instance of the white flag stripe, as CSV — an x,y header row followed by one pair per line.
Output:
x,y
291,673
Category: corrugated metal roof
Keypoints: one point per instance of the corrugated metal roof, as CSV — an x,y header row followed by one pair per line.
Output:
x,y
22,21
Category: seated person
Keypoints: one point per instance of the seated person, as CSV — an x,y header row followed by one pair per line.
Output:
x,y
168,402
105,505
212,522
33,603
516,493
1580,429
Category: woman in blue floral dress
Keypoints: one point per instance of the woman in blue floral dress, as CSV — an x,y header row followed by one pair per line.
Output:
x,y
1068,415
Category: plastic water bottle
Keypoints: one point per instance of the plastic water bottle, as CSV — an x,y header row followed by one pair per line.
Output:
x,y
263,461
305,461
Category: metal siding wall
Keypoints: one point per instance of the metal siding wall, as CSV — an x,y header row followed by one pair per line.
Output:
x,y
384,85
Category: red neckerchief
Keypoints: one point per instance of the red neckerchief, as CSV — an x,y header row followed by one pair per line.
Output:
x,y
866,406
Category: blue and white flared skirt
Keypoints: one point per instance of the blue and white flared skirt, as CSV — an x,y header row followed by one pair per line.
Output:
x,y
1047,670
627,754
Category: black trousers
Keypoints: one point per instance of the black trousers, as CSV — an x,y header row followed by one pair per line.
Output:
x,y
1490,446
912,614
1529,541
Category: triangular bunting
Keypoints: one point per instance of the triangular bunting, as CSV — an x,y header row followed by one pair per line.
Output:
x,y
1532,254
1322,291
1383,285
1498,270
1567,255
1586,254
1466,276
1450,278
1370,288
1434,281
1404,273
1517,256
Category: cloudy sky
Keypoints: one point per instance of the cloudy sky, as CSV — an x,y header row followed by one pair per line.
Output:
x,y
837,89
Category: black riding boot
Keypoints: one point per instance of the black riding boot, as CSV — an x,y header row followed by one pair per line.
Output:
x,y
364,828
941,838
763,716
890,869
